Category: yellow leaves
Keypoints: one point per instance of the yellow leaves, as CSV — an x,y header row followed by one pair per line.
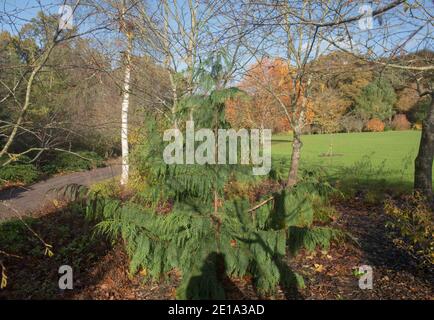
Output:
x,y
40,112
135,136
143,272
311,256
4,278
173,293
4,281
13,157
55,203
48,252
417,126
318,267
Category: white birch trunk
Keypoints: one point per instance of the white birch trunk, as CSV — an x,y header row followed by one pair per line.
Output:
x,y
125,105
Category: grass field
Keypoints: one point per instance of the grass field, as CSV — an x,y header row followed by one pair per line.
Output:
x,y
385,157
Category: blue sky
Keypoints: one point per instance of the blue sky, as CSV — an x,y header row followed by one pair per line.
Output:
x,y
401,26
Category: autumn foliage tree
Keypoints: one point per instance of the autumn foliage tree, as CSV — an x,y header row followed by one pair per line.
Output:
x,y
276,80
375,125
267,83
400,122
339,80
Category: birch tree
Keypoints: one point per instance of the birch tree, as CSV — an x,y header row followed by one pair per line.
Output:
x,y
126,28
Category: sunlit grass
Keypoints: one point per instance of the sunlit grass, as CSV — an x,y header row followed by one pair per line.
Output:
x,y
386,157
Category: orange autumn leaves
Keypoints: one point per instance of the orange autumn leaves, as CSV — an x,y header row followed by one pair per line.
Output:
x,y
273,102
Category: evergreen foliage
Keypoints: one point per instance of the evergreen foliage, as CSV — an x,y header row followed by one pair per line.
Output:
x,y
376,100
206,234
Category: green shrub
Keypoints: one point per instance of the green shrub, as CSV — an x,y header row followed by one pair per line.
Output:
x,y
376,100
413,225
191,236
250,243
67,162
15,235
107,188
191,220
18,172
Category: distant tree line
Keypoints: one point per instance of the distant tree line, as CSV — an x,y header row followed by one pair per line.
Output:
x,y
347,96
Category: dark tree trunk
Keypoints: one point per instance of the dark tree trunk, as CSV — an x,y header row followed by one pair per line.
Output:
x,y
424,159
295,159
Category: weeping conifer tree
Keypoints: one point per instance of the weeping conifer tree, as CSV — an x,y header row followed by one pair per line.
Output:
x,y
205,233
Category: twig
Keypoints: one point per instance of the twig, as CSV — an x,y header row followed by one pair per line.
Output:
x,y
10,254
261,204
46,245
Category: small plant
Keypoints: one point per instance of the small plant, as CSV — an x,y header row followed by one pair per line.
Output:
x,y
357,272
413,225
375,125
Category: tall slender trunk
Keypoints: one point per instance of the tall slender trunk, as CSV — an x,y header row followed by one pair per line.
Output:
x,y
261,130
191,51
425,157
175,100
295,159
166,62
124,115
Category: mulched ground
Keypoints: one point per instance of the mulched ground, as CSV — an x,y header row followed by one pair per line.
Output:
x,y
396,274
328,275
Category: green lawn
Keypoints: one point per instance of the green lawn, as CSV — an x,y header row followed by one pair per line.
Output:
x,y
385,157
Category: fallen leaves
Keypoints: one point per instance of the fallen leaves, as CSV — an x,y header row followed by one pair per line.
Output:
x,y
318,267
4,278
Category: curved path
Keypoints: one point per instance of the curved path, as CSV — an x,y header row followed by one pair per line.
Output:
x,y
32,199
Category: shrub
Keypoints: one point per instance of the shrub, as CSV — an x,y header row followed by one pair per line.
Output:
x,y
189,235
351,123
106,188
376,100
412,222
190,220
18,172
417,126
375,125
400,122
194,240
67,162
